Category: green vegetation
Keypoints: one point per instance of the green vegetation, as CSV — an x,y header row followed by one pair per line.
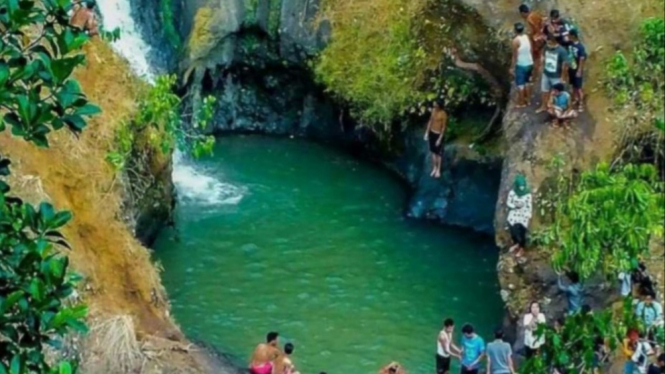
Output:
x,y
637,86
606,219
38,52
385,59
168,23
160,121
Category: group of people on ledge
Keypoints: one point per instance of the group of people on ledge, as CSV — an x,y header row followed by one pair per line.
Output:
x,y
549,48
637,284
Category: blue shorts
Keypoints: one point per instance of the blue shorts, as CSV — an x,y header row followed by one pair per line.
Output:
x,y
522,75
574,80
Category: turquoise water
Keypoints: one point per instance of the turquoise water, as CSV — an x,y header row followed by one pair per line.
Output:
x,y
281,234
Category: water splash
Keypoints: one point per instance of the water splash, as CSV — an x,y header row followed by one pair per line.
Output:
x,y
195,183
117,14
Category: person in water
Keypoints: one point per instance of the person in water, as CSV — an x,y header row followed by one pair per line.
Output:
x,y
283,364
84,17
473,350
522,66
393,368
519,213
445,348
436,128
536,25
264,355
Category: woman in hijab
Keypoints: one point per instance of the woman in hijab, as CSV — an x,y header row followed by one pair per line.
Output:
x,y
519,213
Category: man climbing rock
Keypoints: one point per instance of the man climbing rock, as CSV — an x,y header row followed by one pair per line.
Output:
x,y
436,128
84,17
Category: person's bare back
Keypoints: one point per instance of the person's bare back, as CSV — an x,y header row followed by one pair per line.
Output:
x,y
263,353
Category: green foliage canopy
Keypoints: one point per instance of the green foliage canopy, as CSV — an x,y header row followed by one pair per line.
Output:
x,y
38,53
607,220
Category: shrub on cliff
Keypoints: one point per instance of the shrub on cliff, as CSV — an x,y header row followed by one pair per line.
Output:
x,y
606,220
38,52
385,58
637,85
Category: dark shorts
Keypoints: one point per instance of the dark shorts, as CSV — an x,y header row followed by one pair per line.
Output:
x,y
523,75
466,371
442,364
518,235
574,80
432,137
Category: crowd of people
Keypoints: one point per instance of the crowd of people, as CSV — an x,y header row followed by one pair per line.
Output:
x,y
549,49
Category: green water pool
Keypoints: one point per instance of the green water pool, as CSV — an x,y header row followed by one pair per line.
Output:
x,y
286,235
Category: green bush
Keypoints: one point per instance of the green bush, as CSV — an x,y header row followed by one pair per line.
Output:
x,y
38,53
159,110
636,83
605,221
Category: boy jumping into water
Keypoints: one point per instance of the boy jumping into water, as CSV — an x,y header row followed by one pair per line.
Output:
x,y
436,128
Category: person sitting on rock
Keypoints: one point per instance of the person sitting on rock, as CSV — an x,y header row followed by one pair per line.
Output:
x,y
560,106
264,355
84,17
519,213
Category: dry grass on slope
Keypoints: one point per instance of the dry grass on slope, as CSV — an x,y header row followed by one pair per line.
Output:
x,y
120,280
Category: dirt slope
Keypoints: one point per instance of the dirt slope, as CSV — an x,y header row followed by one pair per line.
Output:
x,y
131,328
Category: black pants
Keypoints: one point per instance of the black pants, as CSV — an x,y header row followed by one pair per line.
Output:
x,y
529,352
518,234
467,371
442,365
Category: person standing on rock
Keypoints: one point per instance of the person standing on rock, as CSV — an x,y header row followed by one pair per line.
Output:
x,y
536,25
573,292
436,128
531,321
578,58
522,66
499,355
519,213
554,71
445,348
265,354
473,350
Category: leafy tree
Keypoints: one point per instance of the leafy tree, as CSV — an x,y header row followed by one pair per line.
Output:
x,y
160,110
606,220
38,53
637,85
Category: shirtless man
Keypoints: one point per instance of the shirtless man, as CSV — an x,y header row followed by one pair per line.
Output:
x,y
265,354
283,364
535,26
84,17
436,128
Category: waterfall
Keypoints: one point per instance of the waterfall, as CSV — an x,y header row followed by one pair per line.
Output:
x,y
191,181
117,14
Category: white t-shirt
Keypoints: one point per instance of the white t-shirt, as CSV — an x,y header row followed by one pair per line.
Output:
x,y
529,334
640,357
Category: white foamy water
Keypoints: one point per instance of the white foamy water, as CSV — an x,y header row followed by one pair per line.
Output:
x,y
191,181
117,13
